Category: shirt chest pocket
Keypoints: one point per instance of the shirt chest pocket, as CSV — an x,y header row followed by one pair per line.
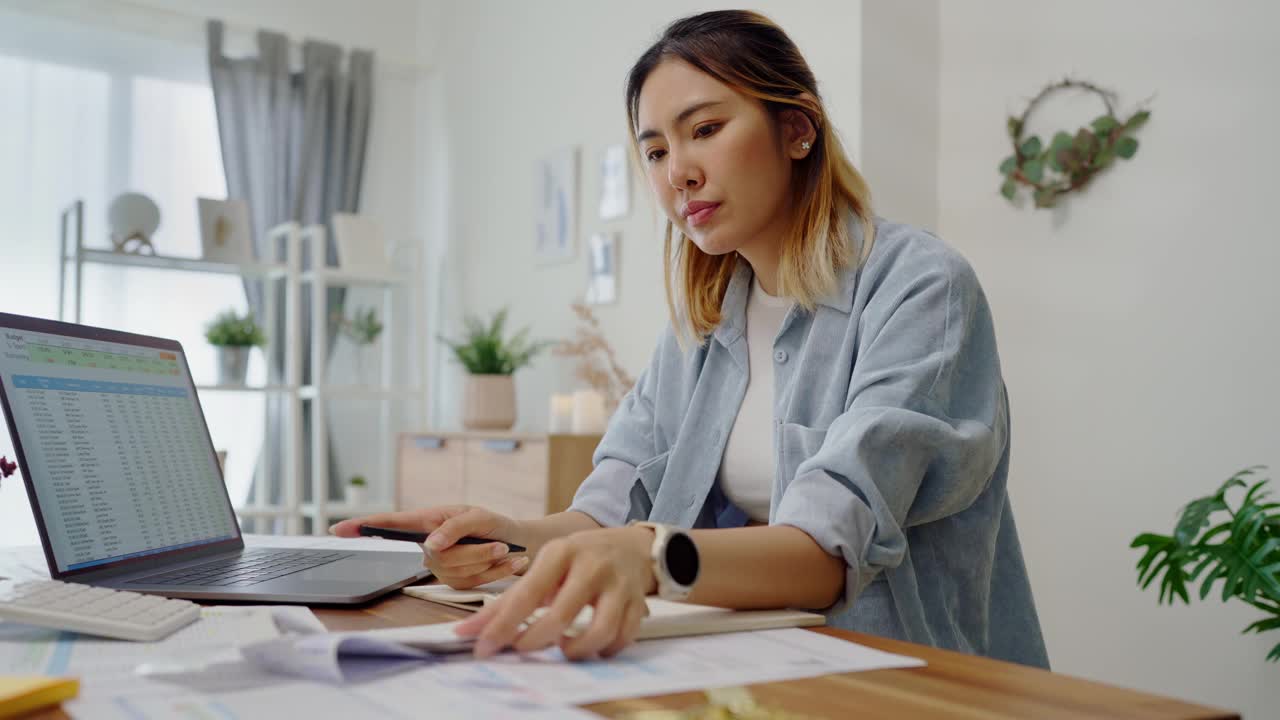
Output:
x,y
796,443
648,477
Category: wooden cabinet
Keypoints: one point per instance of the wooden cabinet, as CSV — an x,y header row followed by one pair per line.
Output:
x,y
520,475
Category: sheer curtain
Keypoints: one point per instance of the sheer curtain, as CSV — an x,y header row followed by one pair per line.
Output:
x,y
90,113
294,148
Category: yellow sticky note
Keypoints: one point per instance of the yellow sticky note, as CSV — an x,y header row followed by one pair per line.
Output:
x,y
24,693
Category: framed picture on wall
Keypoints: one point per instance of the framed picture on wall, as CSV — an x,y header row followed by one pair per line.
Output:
x,y
359,243
225,235
556,203
602,268
615,183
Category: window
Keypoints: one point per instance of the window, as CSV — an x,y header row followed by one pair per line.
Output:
x,y
91,113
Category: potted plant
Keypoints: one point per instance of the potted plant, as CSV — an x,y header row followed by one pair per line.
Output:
x,y
490,360
363,329
357,491
234,335
1242,550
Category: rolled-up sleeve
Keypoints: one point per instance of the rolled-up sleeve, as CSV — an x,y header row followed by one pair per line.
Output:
x,y
628,441
924,425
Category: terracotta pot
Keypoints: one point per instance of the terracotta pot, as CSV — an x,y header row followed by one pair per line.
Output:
x,y
489,402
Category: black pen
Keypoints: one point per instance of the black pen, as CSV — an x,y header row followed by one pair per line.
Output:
x,y
421,537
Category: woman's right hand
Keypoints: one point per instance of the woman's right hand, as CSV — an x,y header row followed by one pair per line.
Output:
x,y
459,566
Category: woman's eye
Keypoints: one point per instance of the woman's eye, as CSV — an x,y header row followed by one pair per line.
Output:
x,y
656,155
705,130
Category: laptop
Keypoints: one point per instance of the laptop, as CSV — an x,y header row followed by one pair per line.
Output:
x,y
125,485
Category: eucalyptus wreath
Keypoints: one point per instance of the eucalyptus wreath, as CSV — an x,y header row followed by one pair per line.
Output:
x,y
1069,161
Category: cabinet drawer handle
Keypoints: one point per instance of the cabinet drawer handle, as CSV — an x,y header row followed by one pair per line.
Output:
x,y
423,442
504,446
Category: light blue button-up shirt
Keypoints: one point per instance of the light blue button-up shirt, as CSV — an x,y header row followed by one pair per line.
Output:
x,y
891,429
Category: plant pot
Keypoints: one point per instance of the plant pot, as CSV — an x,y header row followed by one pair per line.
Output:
x,y
357,495
489,402
368,368
233,364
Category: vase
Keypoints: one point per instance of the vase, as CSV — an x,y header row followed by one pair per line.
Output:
x,y
233,364
367,366
489,402
357,495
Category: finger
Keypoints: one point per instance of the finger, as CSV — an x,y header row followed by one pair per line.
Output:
x,y
509,566
496,625
473,521
636,614
469,555
581,587
462,572
405,520
606,624
424,520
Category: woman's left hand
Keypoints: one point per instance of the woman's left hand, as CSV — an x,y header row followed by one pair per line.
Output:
x,y
608,569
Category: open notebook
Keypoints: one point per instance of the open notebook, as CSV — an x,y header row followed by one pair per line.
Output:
x,y
666,618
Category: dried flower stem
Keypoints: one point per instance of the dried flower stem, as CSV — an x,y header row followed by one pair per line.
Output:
x,y
598,365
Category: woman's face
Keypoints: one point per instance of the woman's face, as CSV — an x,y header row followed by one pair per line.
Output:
x,y
718,163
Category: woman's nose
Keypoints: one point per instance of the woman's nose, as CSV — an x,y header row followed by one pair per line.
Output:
x,y
682,174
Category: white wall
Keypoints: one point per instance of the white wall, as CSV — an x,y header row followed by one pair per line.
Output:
x,y
522,79
899,108
1138,327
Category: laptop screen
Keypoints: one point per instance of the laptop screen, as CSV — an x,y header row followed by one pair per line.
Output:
x,y
116,447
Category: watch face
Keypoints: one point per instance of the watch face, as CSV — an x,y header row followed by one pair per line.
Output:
x,y
682,559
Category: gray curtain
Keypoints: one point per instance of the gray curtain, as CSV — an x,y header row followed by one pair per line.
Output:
x,y
293,147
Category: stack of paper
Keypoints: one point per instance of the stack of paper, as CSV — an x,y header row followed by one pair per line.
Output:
x,y
666,618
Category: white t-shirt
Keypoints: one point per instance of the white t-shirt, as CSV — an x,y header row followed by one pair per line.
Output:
x,y
746,470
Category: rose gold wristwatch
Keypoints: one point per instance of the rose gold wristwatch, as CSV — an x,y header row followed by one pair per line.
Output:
x,y
675,560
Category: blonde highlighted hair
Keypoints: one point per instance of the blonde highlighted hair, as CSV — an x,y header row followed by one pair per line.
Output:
x,y
750,53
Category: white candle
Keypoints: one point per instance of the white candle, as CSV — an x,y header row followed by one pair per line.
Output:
x,y
561,418
588,412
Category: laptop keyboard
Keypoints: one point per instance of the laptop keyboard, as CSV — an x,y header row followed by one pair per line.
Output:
x,y
249,568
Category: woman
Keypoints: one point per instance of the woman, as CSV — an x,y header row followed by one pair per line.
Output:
x,y
826,410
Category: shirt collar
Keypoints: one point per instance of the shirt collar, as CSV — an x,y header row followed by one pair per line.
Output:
x,y
733,309
842,298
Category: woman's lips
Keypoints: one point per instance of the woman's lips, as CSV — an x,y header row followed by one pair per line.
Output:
x,y
701,217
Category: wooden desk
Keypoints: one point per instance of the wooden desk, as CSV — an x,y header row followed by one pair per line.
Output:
x,y
953,685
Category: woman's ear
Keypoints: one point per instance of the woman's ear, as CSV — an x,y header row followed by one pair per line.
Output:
x,y
799,133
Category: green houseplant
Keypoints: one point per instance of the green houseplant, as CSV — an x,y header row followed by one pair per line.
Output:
x,y
363,329
357,490
490,360
234,336
1214,541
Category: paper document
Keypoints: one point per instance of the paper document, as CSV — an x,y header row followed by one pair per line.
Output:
x,y
472,599
656,667
202,659
109,665
357,656
351,656
410,696
647,668
665,619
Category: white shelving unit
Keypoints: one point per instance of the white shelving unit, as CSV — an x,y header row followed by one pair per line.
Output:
x,y
291,508
321,509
